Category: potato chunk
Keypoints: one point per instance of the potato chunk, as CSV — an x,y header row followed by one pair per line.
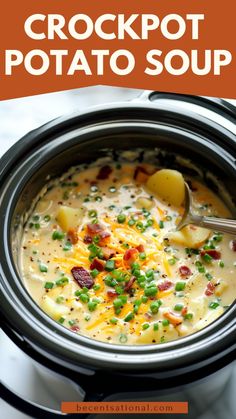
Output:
x,y
53,309
68,217
168,185
190,236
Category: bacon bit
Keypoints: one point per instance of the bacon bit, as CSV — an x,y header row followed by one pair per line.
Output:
x,y
130,255
112,293
82,277
97,264
75,328
94,229
140,248
233,245
184,311
73,235
210,289
148,316
104,236
213,253
88,239
192,227
141,175
104,172
129,284
163,286
107,253
185,271
173,319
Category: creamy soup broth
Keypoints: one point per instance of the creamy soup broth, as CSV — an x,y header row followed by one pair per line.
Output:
x,y
99,256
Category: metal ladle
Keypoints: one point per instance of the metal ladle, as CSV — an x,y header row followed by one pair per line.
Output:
x,y
223,225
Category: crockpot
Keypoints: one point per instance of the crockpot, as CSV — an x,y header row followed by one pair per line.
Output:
x,y
167,124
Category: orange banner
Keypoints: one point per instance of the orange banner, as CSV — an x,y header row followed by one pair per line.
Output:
x,y
117,408
178,46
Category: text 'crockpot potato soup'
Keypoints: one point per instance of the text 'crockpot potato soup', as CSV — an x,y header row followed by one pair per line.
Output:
x,y
100,254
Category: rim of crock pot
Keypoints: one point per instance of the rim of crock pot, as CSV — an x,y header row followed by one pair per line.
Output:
x,y
116,353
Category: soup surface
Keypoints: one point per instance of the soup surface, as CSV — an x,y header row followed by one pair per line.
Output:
x,y
100,255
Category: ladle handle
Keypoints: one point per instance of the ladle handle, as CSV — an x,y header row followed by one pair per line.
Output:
x,y
223,225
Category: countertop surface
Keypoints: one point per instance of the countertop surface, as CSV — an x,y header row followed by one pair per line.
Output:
x,y
17,117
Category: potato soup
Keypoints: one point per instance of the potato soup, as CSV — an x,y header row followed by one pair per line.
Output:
x,y
100,255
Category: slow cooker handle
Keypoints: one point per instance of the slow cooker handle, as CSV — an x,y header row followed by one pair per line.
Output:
x,y
217,105
35,410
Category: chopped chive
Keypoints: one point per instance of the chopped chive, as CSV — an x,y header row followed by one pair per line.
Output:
x,y
110,265
207,258
98,198
150,291
180,286
94,273
150,274
47,218
43,267
149,223
112,189
161,224
96,239
178,307
87,317
165,322
113,320
92,213
208,276
37,226
221,264
48,285
168,218
129,317
139,225
119,289
58,235
92,305
96,287
145,326
61,320
155,327
93,188
71,322
188,316
142,256
121,218
131,222
213,305
36,217
154,306
62,281
60,299
67,246
84,298
172,261
144,299
123,338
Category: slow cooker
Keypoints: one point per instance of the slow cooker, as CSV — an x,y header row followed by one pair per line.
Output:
x,y
168,124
